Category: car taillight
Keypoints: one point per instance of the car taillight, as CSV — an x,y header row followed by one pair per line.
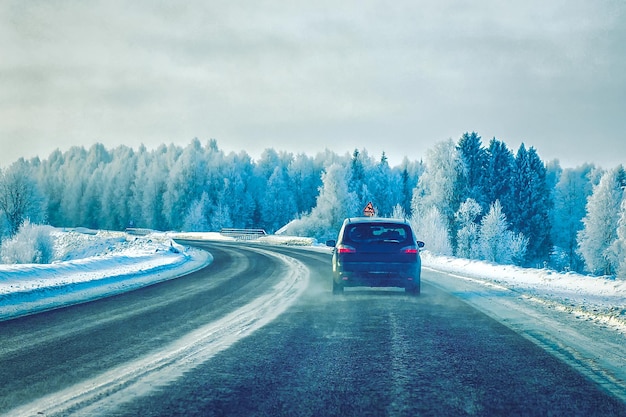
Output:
x,y
345,249
409,249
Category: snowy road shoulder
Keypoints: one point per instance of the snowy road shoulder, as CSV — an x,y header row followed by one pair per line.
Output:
x,y
598,299
127,263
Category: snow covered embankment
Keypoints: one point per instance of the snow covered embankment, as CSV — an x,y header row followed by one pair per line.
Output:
x,y
598,299
94,265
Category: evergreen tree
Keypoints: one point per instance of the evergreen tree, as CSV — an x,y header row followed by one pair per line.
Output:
x,y
474,158
532,200
600,223
306,176
409,173
498,174
52,186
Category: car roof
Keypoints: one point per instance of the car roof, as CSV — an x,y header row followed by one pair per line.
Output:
x,y
351,220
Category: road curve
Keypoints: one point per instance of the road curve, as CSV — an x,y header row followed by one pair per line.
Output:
x,y
66,360
369,352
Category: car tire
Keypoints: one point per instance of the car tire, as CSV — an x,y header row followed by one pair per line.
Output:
x,y
337,288
413,290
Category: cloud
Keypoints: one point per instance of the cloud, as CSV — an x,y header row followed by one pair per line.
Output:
x,y
301,74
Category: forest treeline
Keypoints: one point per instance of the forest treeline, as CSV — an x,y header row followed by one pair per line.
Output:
x,y
464,198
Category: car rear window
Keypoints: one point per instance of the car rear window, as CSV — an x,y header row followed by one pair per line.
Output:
x,y
379,232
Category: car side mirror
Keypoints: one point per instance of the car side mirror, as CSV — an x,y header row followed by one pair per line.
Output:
x,y
420,244
331,243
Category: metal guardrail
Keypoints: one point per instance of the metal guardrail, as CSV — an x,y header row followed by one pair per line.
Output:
x,y
138,231
243,234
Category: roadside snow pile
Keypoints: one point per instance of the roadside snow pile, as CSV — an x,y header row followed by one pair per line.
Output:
x,y
93,265
599,298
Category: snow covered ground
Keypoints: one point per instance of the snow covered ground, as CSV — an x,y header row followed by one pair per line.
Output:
x,y
93,265
97,264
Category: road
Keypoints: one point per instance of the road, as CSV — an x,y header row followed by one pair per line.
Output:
x,y
258,333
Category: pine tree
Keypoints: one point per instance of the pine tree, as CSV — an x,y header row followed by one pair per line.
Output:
x,y
474,158
498,174
532,205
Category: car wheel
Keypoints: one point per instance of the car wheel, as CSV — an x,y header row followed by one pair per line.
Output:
x,y
413,290
337,288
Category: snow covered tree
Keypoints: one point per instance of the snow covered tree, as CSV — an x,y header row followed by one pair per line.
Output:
x,y
305,174
600,224
532,205
409,173
196,217
117,190
185,184
74,176
431,226
278,205
438,187
398,212
334,203
33,244
235,207
618,247
384,186
467,229
357,182
20,197
51,185
571,192
496,242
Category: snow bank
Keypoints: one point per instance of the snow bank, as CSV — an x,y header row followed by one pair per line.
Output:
x,y
93,265
600,298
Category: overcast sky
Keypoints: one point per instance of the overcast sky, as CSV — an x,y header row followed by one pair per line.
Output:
x,y
303,76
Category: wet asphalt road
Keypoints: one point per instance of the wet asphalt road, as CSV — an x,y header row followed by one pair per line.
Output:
x,y
368,352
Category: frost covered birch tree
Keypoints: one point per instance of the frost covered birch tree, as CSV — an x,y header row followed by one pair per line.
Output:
x,y
334,203
467,229
437,195
600,223
20,197
570,198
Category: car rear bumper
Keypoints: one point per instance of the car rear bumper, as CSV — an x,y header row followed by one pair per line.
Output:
x,y
374,274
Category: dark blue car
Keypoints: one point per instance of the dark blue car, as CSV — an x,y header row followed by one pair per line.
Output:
x,y
376,252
